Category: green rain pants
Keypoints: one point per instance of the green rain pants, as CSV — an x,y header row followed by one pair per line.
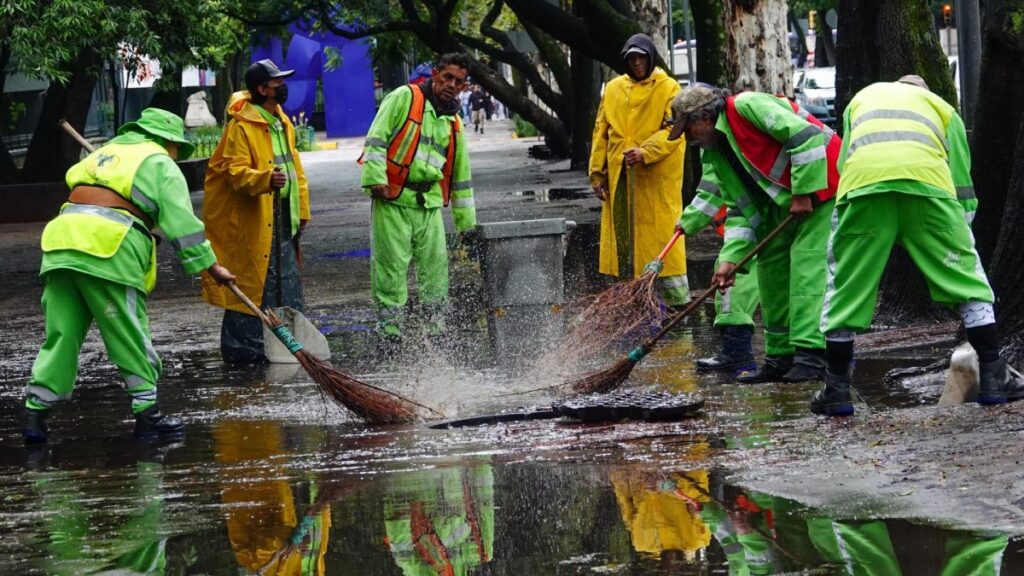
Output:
x,y
400,235
736,306
861,548
71,301
935,235
674,290
791,282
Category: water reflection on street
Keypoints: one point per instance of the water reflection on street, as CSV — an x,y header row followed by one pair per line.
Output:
x,y
271,480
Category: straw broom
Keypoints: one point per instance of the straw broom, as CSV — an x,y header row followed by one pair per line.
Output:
x,y
624,308
609,379
372,404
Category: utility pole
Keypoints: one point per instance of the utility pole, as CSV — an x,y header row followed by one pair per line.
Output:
x,y
691,45
968,34
671,40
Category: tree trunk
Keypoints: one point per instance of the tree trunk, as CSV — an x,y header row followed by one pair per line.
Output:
x,y
586,86
824,47
998,117
653,20
757,48
998,144
709,31
904,42
51,151
801,40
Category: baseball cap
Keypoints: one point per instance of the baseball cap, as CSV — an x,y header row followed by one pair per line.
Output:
x,y
914,80
262,71
689,100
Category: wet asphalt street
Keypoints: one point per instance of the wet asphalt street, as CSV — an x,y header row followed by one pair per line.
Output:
x,y
271,479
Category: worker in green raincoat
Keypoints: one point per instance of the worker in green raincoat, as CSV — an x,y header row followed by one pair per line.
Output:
x,y
906,179
99,264
770,160
415,162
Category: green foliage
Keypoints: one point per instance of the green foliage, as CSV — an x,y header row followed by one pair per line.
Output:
x,y
523,129
15,110
304,134
46,37
205,139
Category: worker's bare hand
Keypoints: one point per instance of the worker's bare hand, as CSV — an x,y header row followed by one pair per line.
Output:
x,y
379,191
633,156
800,206
725,276
601,191
220,274
278,179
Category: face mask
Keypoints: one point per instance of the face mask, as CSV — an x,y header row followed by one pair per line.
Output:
x,y
281,93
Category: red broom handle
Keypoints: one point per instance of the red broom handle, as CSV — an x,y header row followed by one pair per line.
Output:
x,y
671,243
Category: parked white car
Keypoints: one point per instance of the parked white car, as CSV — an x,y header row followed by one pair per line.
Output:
x,y
815,90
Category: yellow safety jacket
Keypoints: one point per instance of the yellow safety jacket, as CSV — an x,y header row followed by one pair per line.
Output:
x,y
897,132
96,230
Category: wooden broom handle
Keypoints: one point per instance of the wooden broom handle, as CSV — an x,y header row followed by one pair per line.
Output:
x,y
245,300
671,243
74,134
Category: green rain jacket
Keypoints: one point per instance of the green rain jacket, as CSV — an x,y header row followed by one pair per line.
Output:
x,y
160,191
752,214
430,157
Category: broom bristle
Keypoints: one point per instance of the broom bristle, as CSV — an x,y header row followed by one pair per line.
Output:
x,y
370,403
605,380
623,309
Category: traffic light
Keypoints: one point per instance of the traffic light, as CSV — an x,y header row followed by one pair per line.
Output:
x,y
947,14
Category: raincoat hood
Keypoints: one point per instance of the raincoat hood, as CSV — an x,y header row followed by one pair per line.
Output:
x,y
237,108
642,42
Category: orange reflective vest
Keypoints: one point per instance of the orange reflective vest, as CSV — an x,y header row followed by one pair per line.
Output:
x,y
762,151
405,143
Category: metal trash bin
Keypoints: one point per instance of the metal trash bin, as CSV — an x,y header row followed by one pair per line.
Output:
x,y
521,263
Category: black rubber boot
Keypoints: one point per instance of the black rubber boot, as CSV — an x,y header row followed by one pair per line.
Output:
x,y
996,385
736,353
774,368
33,428
808,365
834,399
150,423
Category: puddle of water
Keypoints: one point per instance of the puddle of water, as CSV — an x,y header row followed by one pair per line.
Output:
x,y
554,194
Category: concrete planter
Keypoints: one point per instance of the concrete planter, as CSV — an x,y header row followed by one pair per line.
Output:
x,y
194,170
31,202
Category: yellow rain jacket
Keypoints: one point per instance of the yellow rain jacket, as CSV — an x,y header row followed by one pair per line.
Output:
x,y
238,206
633,114
658,517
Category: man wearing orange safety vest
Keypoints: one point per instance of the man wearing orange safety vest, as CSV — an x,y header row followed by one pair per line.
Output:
x,y
770,159
414,163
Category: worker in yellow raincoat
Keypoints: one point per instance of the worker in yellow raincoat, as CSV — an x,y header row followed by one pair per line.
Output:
x,y
630,138
661,510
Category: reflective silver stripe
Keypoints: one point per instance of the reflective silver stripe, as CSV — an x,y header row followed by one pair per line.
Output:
x,y
709,187
773,191
894,136
101,211
463,202
726,301
675,281
186,242
463,185
144,201
283,158
969,216
802,112
808,156
755,220
802,136
891,114
705,206
840,336
44,395
375,157
779,167
965,192
830,272
740,234
132,301
828,132
376,142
